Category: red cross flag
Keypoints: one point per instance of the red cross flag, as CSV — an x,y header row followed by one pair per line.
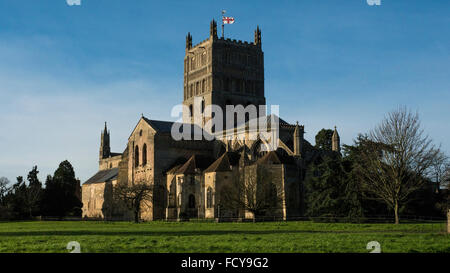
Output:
x,y
228,20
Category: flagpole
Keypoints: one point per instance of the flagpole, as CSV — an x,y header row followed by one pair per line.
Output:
x,y
223,25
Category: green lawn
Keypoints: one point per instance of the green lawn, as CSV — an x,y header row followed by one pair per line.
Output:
x,y
221,237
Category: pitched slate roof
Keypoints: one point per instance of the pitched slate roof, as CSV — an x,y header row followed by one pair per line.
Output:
x,y
174,169
222,164
195,162
275,157
103,176
160,125
269,158
268,119
166,127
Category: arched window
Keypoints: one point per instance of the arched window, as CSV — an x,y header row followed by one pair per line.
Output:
x,y
271,195
144,155
172,194
203,106
191,201
209,201
227,85
190,111
136,156
258,150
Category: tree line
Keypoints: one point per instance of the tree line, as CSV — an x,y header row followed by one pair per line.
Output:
x,y
395,169
26,199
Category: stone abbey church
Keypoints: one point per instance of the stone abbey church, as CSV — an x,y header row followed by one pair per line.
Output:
x,y
188,176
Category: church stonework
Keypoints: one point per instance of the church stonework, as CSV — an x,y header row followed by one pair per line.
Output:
x,y
189,176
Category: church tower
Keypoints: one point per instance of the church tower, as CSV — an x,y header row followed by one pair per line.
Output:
x,y
105,149
336,141
222,72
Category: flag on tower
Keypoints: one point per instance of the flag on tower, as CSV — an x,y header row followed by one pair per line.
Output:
x,y
228,20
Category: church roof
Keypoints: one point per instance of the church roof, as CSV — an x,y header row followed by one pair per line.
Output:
x,y
276,157
103,176
162,126
224,163
174,169
195,162
281,121
269,158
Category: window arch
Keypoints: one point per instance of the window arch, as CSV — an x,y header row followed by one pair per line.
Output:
x,y
172,194
191,201
136,156
144,155
209,198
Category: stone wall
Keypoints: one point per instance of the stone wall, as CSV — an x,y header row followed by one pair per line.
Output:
x,y
110,162
97,200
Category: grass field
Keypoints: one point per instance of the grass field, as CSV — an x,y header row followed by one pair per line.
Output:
x,y
221,237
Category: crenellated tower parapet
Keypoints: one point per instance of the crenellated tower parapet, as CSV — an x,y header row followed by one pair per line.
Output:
x,y
223,71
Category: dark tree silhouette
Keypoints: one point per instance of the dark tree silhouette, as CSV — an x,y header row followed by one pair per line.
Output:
x,y
324,139
61,195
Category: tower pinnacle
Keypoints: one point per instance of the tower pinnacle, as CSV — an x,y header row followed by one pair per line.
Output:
x,y
335,141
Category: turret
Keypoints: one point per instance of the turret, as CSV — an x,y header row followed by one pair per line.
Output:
x,y
336,141
188,41
213,29
258,36
298,139
105,149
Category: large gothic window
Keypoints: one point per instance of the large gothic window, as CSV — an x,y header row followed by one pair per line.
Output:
x,y
227,85
258,150
144,155
209,197
136,156
172,194
191,201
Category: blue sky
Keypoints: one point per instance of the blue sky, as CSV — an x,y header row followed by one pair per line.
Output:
x,y
64,70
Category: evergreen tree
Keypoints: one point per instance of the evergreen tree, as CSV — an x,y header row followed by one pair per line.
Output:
x,y
61,195
17,199
34,193
330,191
324,139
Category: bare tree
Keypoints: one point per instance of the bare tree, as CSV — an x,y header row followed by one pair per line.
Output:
x,y
134,196
440,169
445,182
397,159
255,192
